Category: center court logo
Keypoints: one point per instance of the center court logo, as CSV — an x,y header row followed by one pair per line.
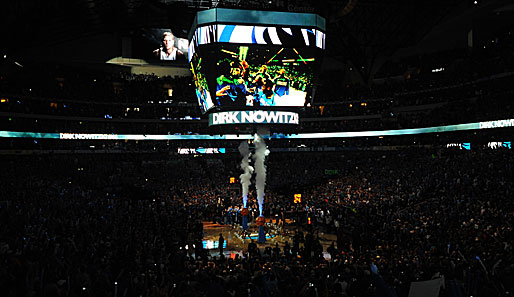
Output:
x,y
253,117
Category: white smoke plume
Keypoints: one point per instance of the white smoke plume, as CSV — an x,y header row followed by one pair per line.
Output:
x,y
260,169
245,178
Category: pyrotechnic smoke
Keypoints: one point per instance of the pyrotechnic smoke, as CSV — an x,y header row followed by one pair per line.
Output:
x,y
260,178
245,178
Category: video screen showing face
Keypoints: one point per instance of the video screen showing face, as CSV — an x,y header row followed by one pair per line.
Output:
x,y
202,89
262,75
160,45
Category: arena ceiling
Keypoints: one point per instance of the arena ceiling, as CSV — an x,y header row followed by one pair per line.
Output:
x,y
360,32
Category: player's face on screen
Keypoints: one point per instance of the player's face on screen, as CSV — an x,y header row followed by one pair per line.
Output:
x,y
168,42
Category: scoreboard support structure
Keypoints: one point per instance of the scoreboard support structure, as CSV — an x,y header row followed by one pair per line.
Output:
x,y
254,71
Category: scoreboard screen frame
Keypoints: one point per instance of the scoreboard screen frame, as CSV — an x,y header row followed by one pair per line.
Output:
x,y
222,40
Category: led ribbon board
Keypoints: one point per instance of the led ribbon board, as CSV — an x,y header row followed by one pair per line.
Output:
x,y
439,129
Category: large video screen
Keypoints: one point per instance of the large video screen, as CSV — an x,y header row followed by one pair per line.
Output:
x,y
252,66
262,75
161,45
198,66
253,59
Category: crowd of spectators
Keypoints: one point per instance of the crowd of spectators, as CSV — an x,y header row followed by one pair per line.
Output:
x,y
119,224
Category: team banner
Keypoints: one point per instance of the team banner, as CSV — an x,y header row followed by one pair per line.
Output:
x,y
253,117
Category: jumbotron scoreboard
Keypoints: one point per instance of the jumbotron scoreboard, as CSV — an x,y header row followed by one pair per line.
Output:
x,y
255,67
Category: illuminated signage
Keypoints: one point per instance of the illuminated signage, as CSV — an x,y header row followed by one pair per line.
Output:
x,y
297,198
87,136
464,145
200,150
213,244
232,180
414,131
253,117
497,124
499,144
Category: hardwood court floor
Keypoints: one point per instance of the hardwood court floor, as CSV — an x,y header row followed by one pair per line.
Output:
x,y
236,244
